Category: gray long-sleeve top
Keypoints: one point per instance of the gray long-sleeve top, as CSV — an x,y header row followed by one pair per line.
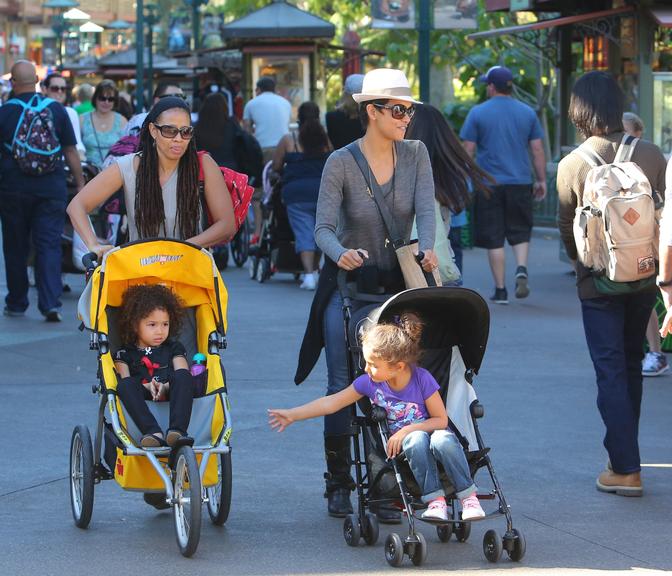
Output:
x,y
347,217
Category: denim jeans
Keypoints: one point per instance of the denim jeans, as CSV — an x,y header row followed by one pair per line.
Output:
x,y
335,349
615,327
424,450
26,217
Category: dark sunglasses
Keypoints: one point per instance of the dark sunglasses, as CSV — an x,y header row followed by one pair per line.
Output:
x,y
168,131
173,96
106,98
57,88
398,111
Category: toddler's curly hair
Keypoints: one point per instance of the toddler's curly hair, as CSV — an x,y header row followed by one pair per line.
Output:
x,y
140,301
398,341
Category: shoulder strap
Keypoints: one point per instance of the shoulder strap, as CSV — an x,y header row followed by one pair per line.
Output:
x,y
590,156
626,148
375,193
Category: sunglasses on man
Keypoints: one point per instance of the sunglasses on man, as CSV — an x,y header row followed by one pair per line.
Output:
x,y
397,111
170,131
57,88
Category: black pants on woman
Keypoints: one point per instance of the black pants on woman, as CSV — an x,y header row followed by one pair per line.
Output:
x,y
181,394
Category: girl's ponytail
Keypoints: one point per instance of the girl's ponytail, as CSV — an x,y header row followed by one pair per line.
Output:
x,y
398,341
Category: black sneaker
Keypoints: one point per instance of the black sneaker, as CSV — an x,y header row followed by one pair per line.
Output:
x,y
522,289
500,296
53,316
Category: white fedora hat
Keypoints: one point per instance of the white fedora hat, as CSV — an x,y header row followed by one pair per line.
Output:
x,y
385,83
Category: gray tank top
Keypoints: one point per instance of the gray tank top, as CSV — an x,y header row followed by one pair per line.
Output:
x,y
169,193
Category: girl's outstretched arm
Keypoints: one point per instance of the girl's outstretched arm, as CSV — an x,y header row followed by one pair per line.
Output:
x,y
279,419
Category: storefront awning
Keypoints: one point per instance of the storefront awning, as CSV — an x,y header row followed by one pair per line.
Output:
x,y
552,23
663,16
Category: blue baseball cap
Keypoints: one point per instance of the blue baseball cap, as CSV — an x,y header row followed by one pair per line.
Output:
x,y
500,76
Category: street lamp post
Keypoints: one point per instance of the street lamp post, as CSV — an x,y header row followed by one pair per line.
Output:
x,y
424,61
196,32
151,18
139,49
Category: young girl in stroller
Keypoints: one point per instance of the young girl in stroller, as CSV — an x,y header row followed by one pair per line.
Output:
x,y
416,415
152,364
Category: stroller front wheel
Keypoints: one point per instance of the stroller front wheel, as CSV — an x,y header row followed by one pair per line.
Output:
x,y
81,476
492,546
394,550
419,550
370,529
462,531
351,530
219,495
444,532
187,501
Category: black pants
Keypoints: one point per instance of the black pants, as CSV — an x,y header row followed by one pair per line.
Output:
x,y
181,394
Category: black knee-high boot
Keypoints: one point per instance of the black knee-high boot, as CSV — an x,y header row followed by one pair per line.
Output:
x,y
339,482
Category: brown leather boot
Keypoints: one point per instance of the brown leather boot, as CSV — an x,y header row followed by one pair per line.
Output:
x,y
621,484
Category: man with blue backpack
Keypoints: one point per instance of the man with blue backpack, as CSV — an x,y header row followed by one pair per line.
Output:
x,y
35,136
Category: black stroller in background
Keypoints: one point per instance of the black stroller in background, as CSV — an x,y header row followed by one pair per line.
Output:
x,y
454,339
275,251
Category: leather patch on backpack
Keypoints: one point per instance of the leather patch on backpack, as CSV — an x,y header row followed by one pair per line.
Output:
x,y
631,216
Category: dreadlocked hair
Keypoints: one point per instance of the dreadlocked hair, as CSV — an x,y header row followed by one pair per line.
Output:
x,y
140,301
149,210
398,341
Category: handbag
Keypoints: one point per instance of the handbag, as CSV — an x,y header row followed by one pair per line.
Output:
x,y
407,254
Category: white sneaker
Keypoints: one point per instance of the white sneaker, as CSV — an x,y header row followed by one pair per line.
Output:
x,y
309,281
471,508
654,364
437,510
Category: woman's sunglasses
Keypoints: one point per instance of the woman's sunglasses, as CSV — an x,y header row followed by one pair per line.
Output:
x,y
106,98
398,111
169,131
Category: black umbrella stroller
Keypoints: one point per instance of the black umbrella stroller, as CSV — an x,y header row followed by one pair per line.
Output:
x,y
454,339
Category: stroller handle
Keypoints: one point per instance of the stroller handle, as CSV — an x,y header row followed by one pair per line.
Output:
x,y
90,261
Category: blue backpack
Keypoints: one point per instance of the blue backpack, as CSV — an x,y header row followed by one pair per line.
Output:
x,y
35,146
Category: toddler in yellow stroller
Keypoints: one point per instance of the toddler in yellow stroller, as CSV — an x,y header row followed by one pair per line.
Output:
x,y
197,467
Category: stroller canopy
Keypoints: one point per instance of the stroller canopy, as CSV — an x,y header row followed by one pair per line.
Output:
x,y
454,316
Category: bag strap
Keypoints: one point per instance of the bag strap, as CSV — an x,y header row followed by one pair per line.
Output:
x,y
590,156
626,148
375,193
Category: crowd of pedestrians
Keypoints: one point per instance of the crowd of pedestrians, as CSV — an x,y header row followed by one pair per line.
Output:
x,y
379,142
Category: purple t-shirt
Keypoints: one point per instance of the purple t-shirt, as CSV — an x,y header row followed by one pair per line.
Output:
x,y
405,406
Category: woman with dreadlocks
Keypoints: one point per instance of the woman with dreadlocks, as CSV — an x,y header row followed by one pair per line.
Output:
x,y
161,185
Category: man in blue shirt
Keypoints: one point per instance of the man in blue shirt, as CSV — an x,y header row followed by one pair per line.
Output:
x,y
500,132
33,207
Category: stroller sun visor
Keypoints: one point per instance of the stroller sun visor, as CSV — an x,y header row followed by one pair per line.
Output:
x,y
457,315
188,270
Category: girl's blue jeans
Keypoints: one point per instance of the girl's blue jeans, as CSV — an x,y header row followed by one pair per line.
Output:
x,y
424,450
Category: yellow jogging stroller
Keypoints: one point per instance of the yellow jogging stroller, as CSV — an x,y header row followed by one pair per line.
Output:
x,y
184,477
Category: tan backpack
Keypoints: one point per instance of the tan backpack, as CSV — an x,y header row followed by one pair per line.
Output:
x,y
616,227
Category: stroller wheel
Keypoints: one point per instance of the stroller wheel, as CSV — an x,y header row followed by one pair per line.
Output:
x,y
419,550
370,529
81,476
221,257
187,501
253,266
351,530
444,532
462,531
219,495
263,270
516,549
394,550
492,546
240,245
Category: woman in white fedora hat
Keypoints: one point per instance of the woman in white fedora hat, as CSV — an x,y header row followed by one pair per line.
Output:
x,y
352,235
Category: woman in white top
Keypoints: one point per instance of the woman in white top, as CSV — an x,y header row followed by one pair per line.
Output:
x,y
165,201
56,88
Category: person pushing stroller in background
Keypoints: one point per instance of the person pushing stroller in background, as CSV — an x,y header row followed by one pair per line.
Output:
x,y
416,415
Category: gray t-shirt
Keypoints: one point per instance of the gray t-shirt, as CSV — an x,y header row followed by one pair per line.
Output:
x,y
347,217
168,192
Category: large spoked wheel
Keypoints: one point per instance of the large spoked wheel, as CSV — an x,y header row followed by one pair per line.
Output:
x,y
462,531
394,550
187,503
517,552
419,554
492,546
219,495
370,529
240,245
81,476
351,530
